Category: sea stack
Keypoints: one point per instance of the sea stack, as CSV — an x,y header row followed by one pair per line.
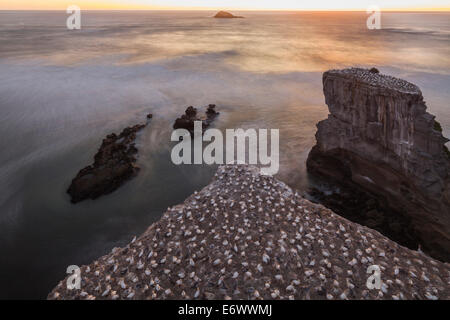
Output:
x,y
379,137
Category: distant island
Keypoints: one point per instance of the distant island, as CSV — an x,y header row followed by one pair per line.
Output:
x,y
226,15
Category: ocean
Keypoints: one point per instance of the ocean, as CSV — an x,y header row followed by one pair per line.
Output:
x,y
62,91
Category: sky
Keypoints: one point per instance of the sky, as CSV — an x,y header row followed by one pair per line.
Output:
x,y
227,4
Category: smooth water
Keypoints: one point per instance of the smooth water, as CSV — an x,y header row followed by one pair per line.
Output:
x,y
62,91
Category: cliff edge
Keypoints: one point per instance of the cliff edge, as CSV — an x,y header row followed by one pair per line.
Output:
x,y
379,136
247,236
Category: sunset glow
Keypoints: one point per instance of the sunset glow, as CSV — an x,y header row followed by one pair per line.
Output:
x,y
391,5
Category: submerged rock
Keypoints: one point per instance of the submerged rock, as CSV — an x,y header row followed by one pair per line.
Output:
x,y
113,164
225,15
379,137
249,236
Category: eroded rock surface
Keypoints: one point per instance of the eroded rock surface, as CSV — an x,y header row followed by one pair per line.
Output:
x,y
379,136
113,165
248,236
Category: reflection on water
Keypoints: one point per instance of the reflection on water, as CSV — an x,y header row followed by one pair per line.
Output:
x,y
62,91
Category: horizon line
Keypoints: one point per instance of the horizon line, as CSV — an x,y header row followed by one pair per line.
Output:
x,y
245,9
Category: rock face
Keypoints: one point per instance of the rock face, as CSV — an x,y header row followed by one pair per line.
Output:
x,y
366,209
225,15
186,121
379,136
113,164
248,236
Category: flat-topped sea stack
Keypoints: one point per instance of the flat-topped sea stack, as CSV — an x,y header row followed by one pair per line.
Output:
x,y
226,15
379,136
250,236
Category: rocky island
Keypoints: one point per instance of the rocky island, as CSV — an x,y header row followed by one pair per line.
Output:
x,y
379,138
226,15
249,236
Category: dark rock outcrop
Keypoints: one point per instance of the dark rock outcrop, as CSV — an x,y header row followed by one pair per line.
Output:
x,y
113,165
211,112
186,121
226,15
249,236
380,138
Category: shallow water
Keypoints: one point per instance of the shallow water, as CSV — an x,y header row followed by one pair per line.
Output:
x,y
62,91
